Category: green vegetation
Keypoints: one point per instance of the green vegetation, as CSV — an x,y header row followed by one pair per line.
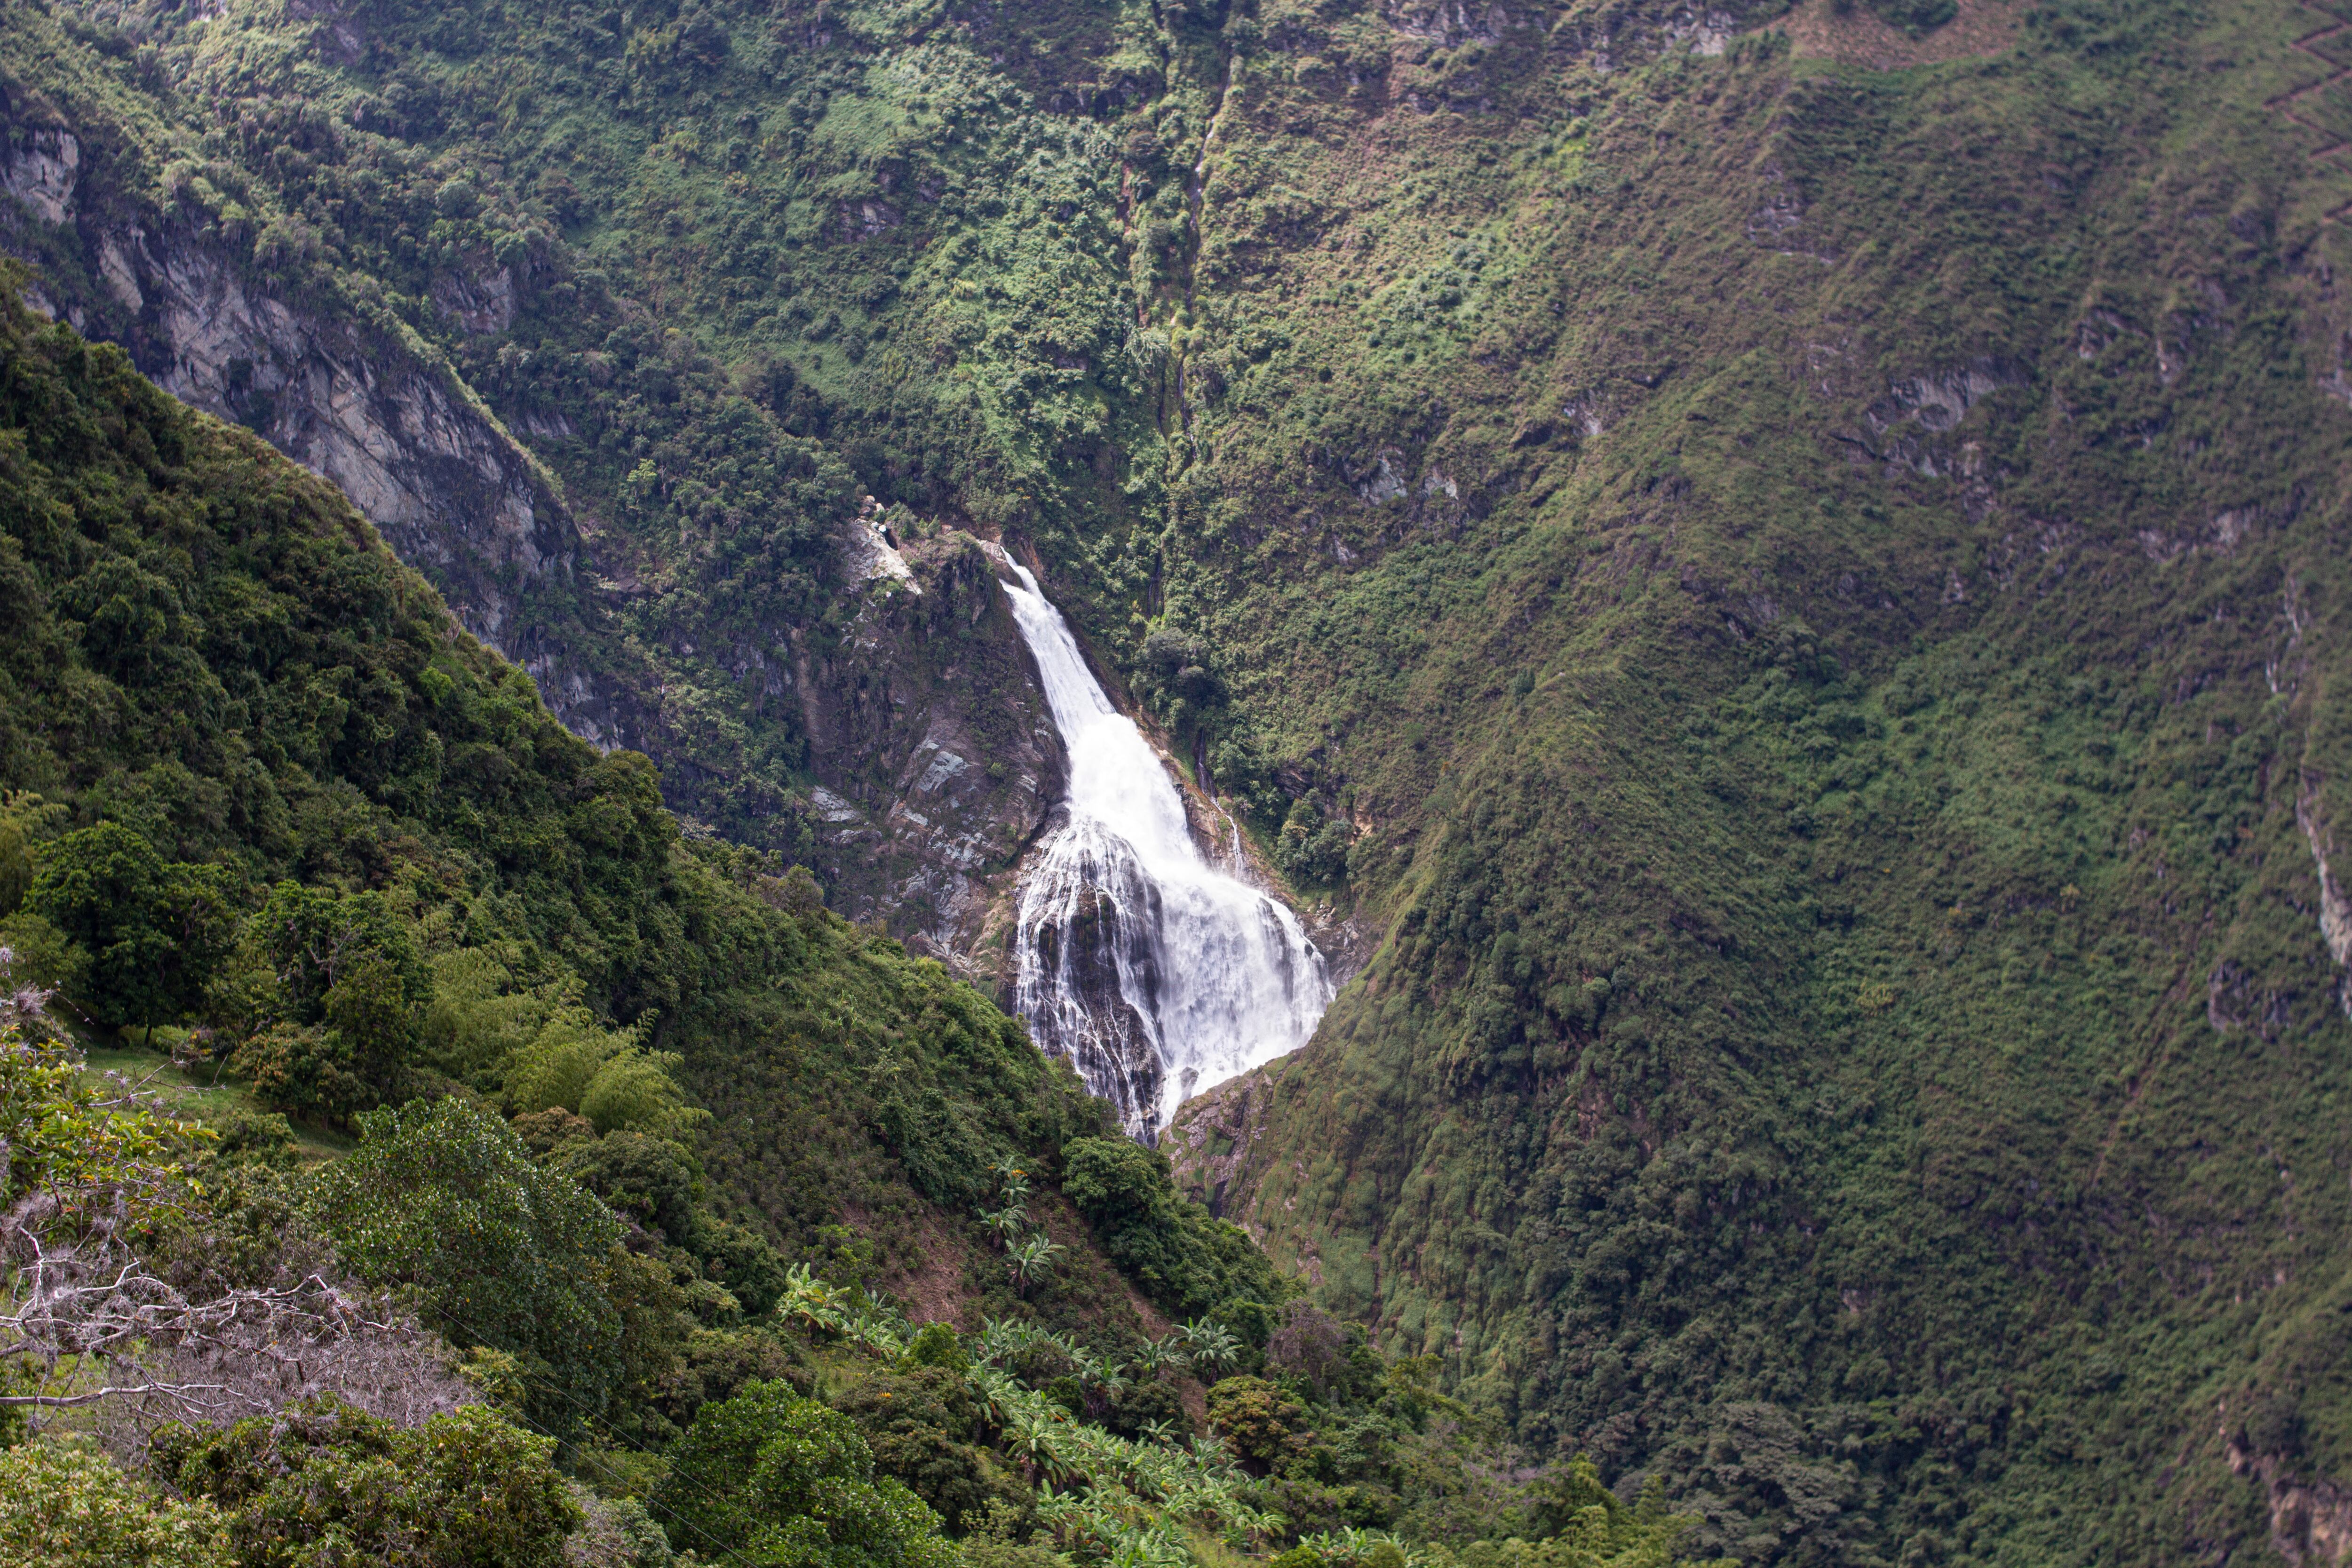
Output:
x,y
1801,605
777,1479
320,1483
71,1505
510,1322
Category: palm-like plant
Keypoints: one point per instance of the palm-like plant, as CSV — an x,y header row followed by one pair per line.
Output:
x,y
1005,1225
1033,1261
1159,1355
1034,1441
1210,1343
1012,1179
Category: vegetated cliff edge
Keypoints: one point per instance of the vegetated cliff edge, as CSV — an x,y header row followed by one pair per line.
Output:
x,y
229,297
209,651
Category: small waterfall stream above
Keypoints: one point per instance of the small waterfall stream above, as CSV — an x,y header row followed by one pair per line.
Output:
x,y
1155,973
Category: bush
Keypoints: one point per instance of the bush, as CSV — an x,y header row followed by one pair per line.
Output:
x,y
68,1505
321,1484
920,1427
343,1005
783,1480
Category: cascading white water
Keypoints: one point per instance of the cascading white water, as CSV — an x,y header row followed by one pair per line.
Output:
x,y
1156,974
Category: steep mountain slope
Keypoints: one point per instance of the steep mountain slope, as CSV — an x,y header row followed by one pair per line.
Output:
x,y
1839,712
210,650
1801,600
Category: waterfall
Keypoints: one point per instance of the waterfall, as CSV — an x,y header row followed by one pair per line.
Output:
x,y
1155,973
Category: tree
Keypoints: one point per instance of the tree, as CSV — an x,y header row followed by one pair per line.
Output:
x,y
783,1481
442,1196
343,1007
321,1484
154,933
1033,1261
1259,1420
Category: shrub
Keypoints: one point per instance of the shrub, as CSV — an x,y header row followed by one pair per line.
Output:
x,y
321,1484
1183,1258
68,1505
781,1480
343,1005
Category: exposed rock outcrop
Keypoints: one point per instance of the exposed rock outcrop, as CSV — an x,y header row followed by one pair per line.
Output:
x,y
938,762
2311,1520
356,402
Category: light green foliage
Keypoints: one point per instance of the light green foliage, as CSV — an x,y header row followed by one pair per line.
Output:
x,y
573,1063
781,1480
479,1014
69,1139
65,1504
319,1484
545,1048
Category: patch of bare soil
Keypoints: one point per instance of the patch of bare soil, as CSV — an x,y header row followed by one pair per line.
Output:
x,y
934,1291
1822,30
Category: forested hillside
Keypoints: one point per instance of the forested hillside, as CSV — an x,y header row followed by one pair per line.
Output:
x,y
483,1173
1782,564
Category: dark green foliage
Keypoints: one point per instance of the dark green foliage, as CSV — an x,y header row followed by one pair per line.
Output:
x,y
153,932
1914,16
444,1197
335,1005
1183,1258
321,1484
922,1427
780,1480
653,1180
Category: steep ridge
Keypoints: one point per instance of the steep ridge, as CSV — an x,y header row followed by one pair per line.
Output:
x,y
240,293
1825,713
208,646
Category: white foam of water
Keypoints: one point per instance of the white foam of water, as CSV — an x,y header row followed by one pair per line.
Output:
x,y
1157,974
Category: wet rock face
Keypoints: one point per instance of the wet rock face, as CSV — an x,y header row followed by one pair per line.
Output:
x,y
937,761
1088,1017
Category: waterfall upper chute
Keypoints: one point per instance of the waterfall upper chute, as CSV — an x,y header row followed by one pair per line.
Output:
x,y
1155,973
